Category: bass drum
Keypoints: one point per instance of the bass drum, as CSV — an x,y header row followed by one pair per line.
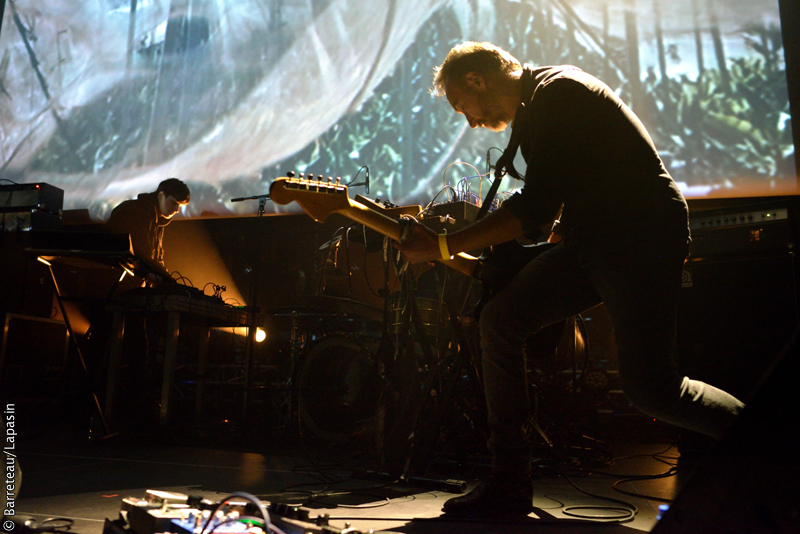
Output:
x,y
338,389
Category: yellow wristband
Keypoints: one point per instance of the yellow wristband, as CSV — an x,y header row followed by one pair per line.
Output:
x,y
443,247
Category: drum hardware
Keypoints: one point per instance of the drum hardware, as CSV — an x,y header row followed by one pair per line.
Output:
x,y
453,382
295,339
432,353
432,314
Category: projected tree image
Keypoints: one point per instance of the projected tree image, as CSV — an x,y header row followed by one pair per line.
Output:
x,y
105,99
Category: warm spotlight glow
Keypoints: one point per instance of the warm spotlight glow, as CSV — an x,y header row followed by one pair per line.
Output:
x,y
190,250
42,260
260,335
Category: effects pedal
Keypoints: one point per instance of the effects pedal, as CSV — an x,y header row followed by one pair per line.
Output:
x,y
177,513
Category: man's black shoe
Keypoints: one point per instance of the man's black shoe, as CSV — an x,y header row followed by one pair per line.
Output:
x,y
497,496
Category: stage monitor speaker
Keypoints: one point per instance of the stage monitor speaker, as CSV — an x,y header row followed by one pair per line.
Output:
x,y
734,316
747,482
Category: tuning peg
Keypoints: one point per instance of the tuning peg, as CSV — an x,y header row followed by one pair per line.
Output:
x,y
290,174
338,180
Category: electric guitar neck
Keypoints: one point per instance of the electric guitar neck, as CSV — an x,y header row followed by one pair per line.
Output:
x,y
320,199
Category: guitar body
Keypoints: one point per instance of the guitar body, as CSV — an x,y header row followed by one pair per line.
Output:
x,y
502,263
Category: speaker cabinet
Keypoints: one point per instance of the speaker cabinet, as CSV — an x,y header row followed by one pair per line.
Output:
x,y
33,357
734,316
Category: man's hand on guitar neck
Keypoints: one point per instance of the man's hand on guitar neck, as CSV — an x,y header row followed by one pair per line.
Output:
x,y
420,245
497,227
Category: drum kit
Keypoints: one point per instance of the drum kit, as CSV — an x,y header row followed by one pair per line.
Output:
x,y
384,370
340,343
385,354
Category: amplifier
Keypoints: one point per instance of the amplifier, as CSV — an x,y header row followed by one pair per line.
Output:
x,y
27,220
24,197
751,229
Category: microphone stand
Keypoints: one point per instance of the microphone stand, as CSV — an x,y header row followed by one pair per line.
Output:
x,y
262,202
253,310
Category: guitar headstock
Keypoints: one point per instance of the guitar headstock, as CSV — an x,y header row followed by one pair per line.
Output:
x,y
317,197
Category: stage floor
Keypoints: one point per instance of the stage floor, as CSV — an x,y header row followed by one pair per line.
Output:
x,y
85,481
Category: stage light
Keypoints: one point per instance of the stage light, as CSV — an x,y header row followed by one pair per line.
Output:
x,y
125,270
261,335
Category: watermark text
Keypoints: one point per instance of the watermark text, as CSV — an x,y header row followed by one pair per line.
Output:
x,y
10,453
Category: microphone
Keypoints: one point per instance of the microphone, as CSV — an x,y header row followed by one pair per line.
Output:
x,y
365,183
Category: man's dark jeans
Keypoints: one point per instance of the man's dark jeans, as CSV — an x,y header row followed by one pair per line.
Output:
x,y
639,284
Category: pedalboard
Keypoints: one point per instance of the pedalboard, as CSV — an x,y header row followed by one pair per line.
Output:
x,y
161,512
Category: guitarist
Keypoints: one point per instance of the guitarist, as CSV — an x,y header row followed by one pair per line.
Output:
x,y
625,236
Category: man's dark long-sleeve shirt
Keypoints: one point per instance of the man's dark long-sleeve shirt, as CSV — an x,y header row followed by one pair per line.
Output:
x,y
587,150
142,220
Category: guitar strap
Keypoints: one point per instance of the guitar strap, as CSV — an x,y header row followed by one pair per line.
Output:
x,y
505,165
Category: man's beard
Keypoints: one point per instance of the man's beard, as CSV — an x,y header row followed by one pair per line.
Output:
x,y
494,119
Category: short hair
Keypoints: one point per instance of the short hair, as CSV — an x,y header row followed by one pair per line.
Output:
x,y
484,58
172,187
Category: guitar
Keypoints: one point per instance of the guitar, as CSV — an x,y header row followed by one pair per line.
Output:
x,y
320,199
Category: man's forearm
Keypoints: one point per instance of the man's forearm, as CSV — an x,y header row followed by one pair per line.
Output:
x,y
497,227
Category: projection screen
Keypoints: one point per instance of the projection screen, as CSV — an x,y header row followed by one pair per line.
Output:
x,y
105,99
